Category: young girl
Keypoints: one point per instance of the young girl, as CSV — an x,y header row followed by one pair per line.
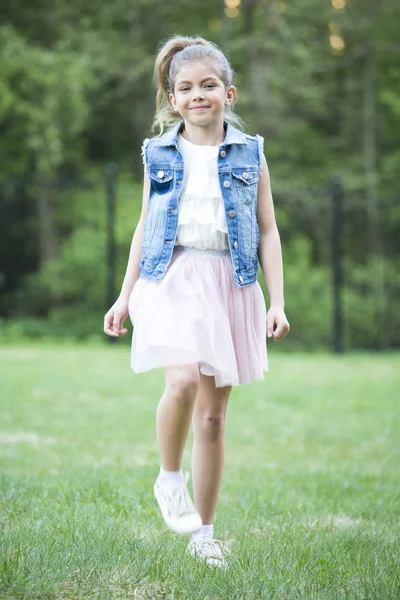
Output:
x,y
191,287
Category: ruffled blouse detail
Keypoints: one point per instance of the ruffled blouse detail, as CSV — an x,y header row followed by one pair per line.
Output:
x,y
201,220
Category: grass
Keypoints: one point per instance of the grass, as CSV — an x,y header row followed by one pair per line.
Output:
x,y
309,498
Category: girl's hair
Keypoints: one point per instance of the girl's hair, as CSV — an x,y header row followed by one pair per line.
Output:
x,y
174,52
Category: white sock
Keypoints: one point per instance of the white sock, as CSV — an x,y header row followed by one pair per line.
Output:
x,y
170,478
206,531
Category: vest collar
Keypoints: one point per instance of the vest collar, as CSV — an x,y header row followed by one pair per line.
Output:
x,y
232,135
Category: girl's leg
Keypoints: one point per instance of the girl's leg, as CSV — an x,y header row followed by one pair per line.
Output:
x,y
208,446
174,413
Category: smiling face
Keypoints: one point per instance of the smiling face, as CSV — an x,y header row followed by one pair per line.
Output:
x,y
199,95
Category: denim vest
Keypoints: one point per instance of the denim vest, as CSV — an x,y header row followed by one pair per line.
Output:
x,y
239,167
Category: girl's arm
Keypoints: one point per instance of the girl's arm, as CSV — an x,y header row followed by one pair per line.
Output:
x,y
115,317
133,267
270,256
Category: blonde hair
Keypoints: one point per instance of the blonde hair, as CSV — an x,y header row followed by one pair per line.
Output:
x,y
174,52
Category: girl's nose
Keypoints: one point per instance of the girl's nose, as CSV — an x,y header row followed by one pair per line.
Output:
x,y
198,94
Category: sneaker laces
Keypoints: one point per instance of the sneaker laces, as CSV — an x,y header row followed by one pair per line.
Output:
x,y
217,546
178,500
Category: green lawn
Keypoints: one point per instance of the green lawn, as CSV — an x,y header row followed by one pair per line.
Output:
x,y
310,494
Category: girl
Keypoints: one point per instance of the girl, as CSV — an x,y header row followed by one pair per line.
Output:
x,y
191,287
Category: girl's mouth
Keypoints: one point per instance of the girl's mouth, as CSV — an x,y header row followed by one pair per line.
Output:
x,y
199,108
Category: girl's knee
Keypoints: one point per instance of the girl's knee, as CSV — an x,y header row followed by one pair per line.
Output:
x,y
183,382
212,424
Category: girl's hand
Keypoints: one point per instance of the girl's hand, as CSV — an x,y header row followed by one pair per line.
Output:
x,y
277,323
115,317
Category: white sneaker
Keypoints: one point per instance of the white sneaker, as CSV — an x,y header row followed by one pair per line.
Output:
x,y
210,551
177,508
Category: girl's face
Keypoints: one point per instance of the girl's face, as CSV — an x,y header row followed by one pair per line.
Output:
x,y
199,94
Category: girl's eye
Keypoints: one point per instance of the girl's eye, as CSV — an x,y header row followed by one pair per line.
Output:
x,y
210,85
184,89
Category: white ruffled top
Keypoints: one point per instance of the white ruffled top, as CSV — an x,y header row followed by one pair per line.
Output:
x,y
201,216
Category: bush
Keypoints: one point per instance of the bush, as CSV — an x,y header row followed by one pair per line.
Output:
x,y
370,300
307,298
68,295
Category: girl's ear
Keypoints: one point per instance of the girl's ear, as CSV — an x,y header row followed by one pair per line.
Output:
x,y
172,100
230,95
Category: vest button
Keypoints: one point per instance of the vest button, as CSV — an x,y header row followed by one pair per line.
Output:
x,y
235,244
160,174
231,213
245,175
227,184
222,153
240,277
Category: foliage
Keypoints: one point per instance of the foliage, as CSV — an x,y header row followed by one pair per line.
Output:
x,y
76,93
74,286
43,104
372,317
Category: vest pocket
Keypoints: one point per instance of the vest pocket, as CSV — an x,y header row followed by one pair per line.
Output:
x,y
245,184
161,180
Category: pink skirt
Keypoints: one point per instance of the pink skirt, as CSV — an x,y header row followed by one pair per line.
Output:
x,y
197,314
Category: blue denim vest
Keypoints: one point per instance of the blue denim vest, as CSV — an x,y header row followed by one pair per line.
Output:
x,y
239,168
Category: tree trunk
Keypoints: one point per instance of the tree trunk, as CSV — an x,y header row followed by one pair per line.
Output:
x,y
48,243
256,58
371,168
369,143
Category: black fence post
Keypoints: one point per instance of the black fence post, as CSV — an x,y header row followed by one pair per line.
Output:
x,y
337,279
110,171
